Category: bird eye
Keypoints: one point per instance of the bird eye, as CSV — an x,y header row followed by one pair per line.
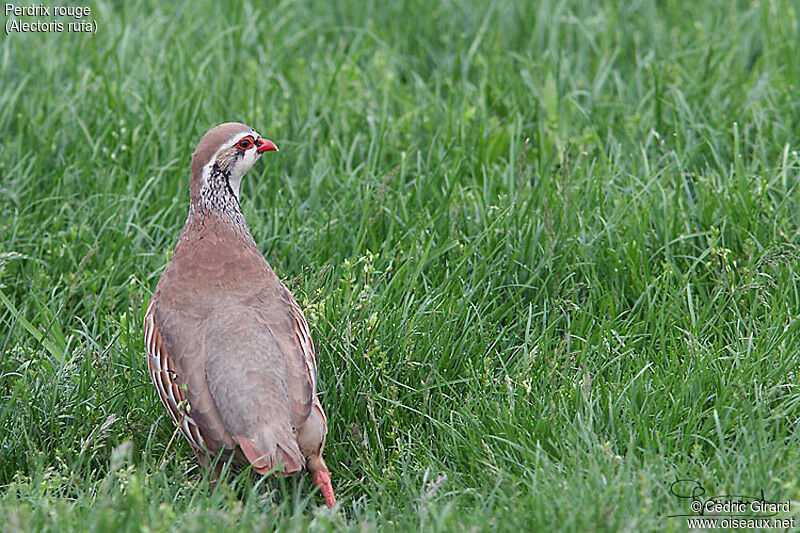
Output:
x,y
245,144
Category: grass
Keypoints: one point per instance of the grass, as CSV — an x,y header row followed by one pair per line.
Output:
x,y
548,251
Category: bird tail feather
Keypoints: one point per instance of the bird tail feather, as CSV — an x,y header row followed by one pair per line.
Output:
x,y
266,450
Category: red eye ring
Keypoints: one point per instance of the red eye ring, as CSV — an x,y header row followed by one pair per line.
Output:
x,y
245,143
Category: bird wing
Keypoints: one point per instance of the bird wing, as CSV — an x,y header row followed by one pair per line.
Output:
x,y
303,338
307,380
314,427
165,378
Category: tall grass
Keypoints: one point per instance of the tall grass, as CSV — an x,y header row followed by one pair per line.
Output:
x,y
548,250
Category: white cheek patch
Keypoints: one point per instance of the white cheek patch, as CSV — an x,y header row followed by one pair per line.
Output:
x,y
240,167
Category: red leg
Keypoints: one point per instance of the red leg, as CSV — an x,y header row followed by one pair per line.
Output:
x,y
322,479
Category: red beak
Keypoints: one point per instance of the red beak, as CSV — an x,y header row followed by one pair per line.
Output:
x,y
265,145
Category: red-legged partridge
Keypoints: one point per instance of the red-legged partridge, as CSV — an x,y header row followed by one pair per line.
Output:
x,y
228,348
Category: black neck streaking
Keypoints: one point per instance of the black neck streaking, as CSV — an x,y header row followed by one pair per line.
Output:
x,y
217,195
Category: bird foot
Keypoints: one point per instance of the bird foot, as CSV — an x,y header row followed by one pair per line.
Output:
x,y
322,480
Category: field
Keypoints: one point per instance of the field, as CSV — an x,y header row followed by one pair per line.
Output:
x,y
549,253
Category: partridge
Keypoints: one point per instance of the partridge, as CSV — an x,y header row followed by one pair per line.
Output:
x,y
228,348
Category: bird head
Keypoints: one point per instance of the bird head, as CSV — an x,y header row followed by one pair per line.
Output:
x,y
223,156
